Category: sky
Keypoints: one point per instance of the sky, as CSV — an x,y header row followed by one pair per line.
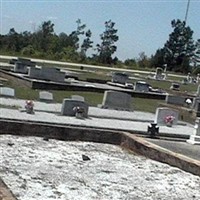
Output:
x,y
143,26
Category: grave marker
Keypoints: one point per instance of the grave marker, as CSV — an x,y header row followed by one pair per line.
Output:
x,y
176,100
195,137
69,107
116,100
46,96
77,97
6,91
163,113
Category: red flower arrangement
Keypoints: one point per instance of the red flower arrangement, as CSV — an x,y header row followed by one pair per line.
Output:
x,y
169,119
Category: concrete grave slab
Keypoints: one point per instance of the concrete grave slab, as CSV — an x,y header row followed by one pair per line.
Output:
x,y
117,100
6,91
162,113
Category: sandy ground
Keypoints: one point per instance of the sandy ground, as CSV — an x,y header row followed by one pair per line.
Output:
x,y
35,169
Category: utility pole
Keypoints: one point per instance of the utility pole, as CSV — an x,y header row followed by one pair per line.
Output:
x,y
187,9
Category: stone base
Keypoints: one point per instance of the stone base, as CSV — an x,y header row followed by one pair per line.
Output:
x,y
194,139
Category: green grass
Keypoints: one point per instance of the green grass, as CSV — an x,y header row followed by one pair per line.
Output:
x,y
146,105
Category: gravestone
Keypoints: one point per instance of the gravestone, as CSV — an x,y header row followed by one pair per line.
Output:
x,y
197,108
195,137
47,74
116,100
198,91
20,68
158,75
46,96
77,97
6,91
162,113
69,105
176,100
141,86
175,86
120,78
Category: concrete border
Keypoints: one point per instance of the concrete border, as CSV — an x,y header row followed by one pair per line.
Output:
x,y
125,139
5,193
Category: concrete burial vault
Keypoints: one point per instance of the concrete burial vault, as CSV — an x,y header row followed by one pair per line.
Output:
x,y
125,139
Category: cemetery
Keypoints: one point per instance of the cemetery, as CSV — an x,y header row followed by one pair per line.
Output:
x,y
105,114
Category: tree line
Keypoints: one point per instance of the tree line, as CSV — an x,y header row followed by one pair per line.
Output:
x,y
180,52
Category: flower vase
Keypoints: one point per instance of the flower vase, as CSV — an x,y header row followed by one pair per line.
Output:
x,y
169,124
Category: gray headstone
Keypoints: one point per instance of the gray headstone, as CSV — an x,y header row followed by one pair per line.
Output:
x,y
20,68
46,73
77,97
46,96
162,113
198,91
176,100
6,91
68,106
141,86
120,78
117,100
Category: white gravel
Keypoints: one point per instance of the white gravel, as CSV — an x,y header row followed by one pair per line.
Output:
x,y
49,170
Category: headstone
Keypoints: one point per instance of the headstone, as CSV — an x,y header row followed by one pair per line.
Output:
x,y
163,113
77,97
197,108
195,137
20,68
6,91
120,78
46,96
195,103
117,100
46,73
189,78
198,91
158,75
176,100
141,86
69,105
175,86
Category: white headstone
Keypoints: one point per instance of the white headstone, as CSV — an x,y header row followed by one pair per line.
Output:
x,y
6,91
195,137
45,96
163,113
77,97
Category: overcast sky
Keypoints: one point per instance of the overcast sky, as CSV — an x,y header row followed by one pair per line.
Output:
x,y
142,25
